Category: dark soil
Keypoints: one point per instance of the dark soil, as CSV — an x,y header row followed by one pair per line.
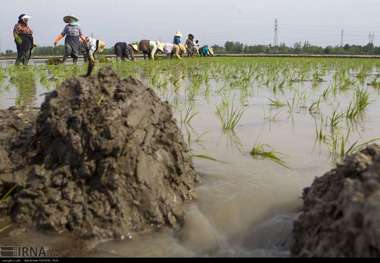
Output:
x,y
16,128
341,213
103,159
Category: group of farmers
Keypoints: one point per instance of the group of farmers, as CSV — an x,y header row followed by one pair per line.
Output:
x,y
150,48
76,44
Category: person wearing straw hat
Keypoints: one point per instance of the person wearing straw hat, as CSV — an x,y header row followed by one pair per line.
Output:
x,y
178,48
73,37
92,47
23,36
177,38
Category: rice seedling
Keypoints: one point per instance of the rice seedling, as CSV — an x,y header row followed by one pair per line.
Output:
x,y
357,147
315,107
264,151
326,93
374,84
292,104
335,119
229,115
188,115
358,105
338,145
275,103
320,134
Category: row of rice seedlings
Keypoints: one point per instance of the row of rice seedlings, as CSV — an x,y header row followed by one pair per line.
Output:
x,y
24,79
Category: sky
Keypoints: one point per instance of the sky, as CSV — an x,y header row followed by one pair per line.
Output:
x,y
211,21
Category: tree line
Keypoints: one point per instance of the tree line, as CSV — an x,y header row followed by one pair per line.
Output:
x,y
297,48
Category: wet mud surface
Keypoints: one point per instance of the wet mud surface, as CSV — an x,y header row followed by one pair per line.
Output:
x,y
103,159
341,212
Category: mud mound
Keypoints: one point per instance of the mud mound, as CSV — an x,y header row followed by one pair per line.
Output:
x,y
15,128
108,160
341,212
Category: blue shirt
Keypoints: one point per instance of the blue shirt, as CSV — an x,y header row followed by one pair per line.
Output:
x,y
177,40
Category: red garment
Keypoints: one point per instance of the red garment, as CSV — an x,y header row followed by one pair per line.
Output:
x,y
22,28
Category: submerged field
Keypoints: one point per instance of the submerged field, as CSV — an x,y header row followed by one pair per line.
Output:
x,y
261,129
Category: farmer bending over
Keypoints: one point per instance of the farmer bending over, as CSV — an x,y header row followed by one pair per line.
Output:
x,y
125,51
92,46
205,51
149,48
178,51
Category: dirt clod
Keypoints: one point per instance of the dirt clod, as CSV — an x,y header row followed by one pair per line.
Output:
x,y
106,158
341,212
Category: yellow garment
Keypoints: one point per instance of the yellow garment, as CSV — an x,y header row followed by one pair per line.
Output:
x,y
179,50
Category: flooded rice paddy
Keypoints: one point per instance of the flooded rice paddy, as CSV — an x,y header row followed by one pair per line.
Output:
x,y
261,129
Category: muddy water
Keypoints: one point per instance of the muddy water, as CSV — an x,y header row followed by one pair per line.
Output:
x,y
245,207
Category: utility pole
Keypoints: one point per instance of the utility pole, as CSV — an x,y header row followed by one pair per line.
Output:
x,y
275,42
342,38
371,38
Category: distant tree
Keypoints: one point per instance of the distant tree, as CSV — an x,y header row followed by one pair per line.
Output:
x,y
9,52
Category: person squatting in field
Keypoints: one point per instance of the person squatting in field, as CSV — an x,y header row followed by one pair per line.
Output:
x,y
23,36
73,37
149,48
124,51
92,46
